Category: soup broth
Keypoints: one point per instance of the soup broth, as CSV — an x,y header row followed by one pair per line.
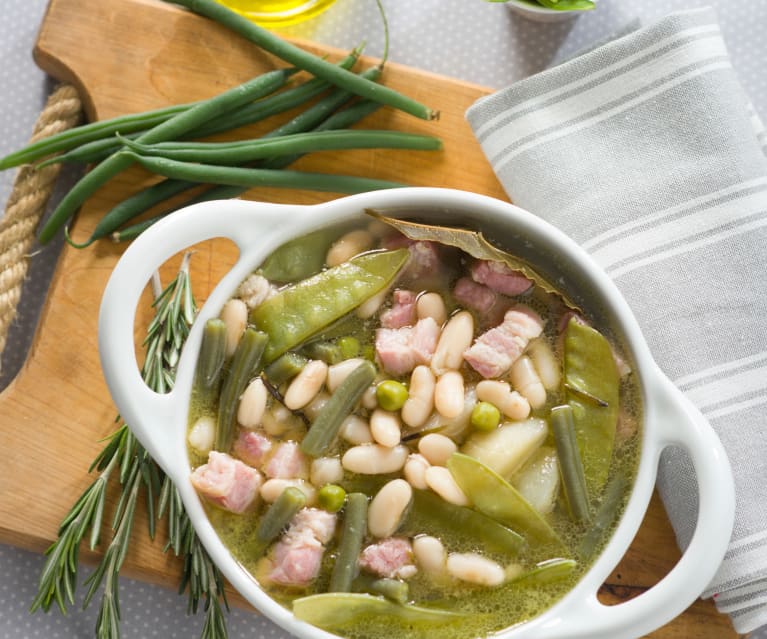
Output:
x,y
403,428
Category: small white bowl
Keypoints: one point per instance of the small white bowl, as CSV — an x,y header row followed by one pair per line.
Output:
x,y
537,13
669,418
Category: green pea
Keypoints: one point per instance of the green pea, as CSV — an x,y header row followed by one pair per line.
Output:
x,y
350,347
331,497
391,395
485,416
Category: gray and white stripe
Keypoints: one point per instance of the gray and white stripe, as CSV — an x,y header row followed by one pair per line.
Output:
x,y
647,152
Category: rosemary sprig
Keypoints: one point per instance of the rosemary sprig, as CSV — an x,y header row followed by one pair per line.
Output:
x,y
174,313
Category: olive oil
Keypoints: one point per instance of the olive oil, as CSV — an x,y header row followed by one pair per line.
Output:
x,y
274,13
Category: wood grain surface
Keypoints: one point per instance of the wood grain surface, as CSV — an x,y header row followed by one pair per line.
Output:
x,y
132,55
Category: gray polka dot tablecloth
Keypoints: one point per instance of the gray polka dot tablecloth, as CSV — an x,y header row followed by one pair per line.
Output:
x,y
473,40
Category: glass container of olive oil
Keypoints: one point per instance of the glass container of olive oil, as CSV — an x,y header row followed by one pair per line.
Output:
x,y
278,13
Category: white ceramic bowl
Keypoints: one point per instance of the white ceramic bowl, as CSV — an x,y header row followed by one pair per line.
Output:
x,y
160,421
537,13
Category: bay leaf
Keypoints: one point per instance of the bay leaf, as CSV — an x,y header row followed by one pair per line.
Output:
x,y
475,244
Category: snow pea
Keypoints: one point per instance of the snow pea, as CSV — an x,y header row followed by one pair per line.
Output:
x,y
592,385
299,311
334,610
492,495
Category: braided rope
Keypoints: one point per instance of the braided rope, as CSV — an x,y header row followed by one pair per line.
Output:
x,y
31,190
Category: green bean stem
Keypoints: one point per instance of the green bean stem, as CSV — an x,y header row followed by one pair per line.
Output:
x,y
325,426
304,60
276,518
238,176
212,354
246,363
355,526
170,129
571,467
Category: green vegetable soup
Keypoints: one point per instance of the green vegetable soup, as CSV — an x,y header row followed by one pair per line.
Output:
x,y
400,427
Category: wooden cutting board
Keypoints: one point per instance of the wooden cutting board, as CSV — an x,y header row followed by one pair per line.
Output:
x,y
132,55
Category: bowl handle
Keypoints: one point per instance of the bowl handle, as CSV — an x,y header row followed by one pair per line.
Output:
x,y
151,414
681,424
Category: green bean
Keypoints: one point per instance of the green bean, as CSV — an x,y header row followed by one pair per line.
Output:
x,y
285,368
330,295
239,176
299,258
328,352
276,518
88,153
235,153
246,362
304,60
342,119
325,426
169,129
570,465
90,132
212,354
355,526
604,517
546,572
393,589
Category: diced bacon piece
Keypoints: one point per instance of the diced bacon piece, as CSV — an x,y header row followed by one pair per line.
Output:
x,y
298,554
227,482
499,277
252,447
475,296
391,557
493,352
400,350
402,311
424,256
287,462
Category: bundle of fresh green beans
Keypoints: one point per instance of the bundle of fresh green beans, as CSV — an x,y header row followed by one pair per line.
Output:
x,y
166,141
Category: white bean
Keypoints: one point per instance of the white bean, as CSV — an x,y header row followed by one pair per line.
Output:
x,y
500,395
385,427
369,307
348,245
475,569
337,373
430,554
420,402
455,338
306,384
436,448
356,430
525,380
271,489
235,316
415,471
369,398
448,394
250,412
441,481
326,470
202,434
374,459
431,305
388,507
545,363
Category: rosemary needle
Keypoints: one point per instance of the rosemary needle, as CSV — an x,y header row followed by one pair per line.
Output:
x,y
123,459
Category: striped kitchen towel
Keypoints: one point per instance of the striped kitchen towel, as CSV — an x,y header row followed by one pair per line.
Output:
x,y
647,152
